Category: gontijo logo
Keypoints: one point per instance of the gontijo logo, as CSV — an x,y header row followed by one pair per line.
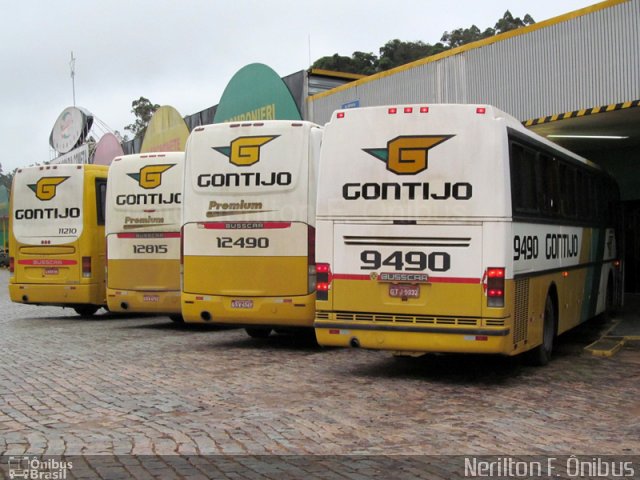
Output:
x,y
45,188
150,176
245,151
407,155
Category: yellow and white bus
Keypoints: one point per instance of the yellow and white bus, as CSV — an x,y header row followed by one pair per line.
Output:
x,y
451,228
143,221
248,225
57,248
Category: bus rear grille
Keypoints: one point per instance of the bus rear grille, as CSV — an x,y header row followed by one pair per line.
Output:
x,y
407,241
521,310
405,319
494,322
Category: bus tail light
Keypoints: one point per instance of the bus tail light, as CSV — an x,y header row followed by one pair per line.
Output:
x,y
323,274
12,266
495,286
86,267
311,258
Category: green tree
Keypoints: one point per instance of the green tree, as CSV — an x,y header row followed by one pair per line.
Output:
x,y
507,22
395,53
462,36
360,62
143,109
6,178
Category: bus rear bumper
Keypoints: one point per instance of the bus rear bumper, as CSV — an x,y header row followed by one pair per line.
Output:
x,y
298,311
414,338
139,301
59,295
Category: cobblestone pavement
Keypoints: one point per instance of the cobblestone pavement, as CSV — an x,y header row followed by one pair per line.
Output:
x,y
143,385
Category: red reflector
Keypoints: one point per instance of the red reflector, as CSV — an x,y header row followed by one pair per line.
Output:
x,y
86,266
482,338
340,115
424,109
408,109
334,331
393,111
181,248
481,110
11,264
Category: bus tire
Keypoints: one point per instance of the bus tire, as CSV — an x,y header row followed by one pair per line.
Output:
x,y
609,307
177,318
86,310
258,332
540,355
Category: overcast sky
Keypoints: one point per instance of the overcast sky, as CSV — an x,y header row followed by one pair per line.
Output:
x,y
183,52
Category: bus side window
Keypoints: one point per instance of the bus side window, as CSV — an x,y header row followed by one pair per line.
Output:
x,y
523,180
547,172
568,190
101,198
583,189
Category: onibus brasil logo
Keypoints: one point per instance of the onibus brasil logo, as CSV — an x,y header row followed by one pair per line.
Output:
x,y
46,188
408,154
150,176
245,151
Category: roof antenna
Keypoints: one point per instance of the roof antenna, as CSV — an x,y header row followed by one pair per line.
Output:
x,y
72,64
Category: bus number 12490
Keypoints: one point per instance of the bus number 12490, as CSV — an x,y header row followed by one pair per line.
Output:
x,y
243,242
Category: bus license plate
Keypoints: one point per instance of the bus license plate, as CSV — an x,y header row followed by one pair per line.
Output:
x,y
51,271
151,298
241,303
404,291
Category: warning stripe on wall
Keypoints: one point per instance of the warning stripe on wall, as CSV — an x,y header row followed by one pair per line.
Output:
x,y
581,113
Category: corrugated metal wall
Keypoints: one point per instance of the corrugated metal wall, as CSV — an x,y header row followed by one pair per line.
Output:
x,y
581,62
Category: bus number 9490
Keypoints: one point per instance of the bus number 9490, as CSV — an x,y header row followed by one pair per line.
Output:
x,y
409,261
525,247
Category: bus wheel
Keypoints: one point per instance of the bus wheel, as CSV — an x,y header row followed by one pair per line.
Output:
x,y
257,332
177,318
86,310
609,307
541,355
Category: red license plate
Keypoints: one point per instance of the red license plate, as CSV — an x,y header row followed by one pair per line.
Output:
x,y
404,291
151,298
241,303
